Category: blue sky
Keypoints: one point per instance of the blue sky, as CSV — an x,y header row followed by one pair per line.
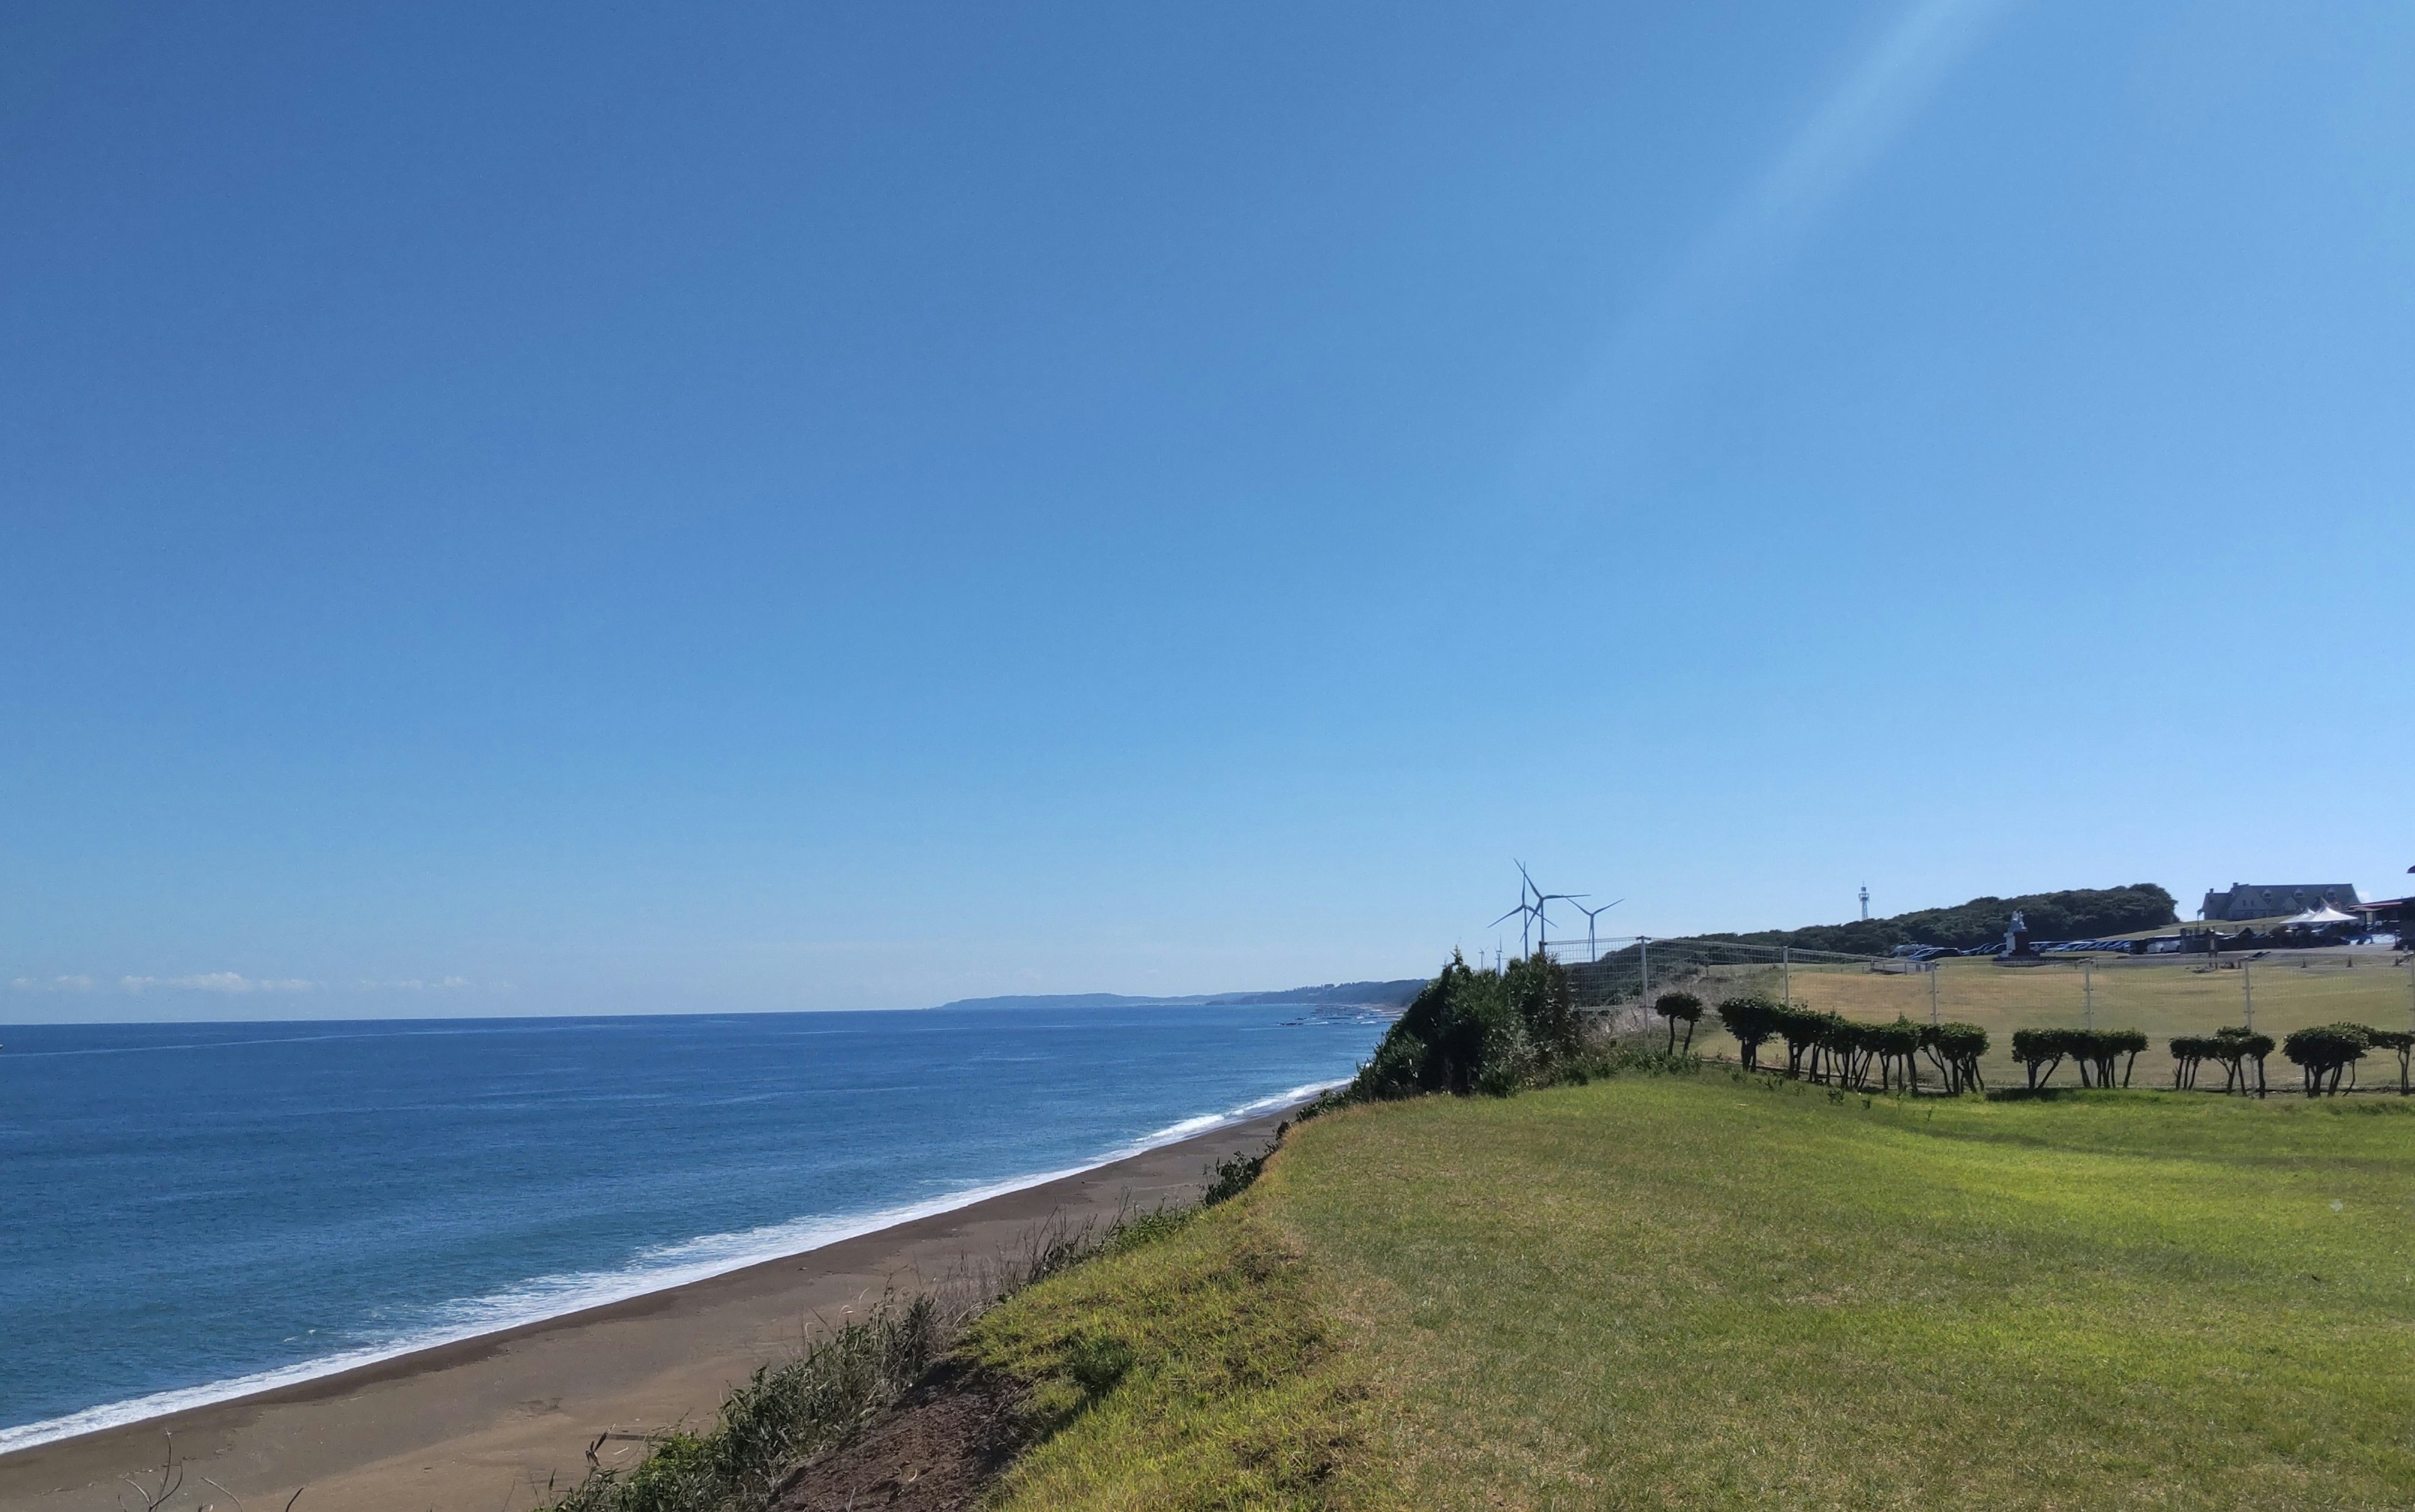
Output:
x,y
530,510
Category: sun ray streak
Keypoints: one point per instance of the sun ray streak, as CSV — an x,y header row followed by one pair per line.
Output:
x,y
1660,348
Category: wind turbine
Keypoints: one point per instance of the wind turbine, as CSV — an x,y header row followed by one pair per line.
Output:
x,y
1543,924
1521,912
1591,914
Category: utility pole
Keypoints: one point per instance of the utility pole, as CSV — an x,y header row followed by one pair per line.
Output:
x,y
2247,989
2088,994
1932,995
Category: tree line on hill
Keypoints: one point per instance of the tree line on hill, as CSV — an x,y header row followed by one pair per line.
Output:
x,y
2078,913
1332,993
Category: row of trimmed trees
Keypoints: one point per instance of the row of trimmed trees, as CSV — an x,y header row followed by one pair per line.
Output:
x,y
2038,1052
2322,1054
1829,1047
2231,1049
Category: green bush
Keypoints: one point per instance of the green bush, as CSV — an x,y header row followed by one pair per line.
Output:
x,y
1476,1031
1394,1070
784,1414
1232,1175
1545,1006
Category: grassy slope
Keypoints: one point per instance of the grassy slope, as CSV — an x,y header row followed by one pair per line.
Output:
x,y
1193,1369
2292,991
1700,1291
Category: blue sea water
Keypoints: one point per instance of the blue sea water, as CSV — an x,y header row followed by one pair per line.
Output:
x,y
192,1211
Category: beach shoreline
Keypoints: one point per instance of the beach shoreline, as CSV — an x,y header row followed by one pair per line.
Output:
x,y
487,1420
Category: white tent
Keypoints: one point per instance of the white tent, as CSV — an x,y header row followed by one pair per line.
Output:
x,y
2324,914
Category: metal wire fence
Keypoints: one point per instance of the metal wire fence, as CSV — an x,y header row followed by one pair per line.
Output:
x,y
2162,995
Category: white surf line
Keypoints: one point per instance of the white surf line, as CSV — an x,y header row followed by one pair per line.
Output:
x,y
547,1297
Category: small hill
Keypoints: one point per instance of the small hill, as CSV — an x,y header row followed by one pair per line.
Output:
x,y
1339,994
1332,993
2079,913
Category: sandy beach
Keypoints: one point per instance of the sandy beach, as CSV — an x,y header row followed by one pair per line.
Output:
x,y
487,1423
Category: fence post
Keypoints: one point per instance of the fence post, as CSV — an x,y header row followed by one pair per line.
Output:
x,y
2088,994
2247,990
1932,995
1786,974
1643,966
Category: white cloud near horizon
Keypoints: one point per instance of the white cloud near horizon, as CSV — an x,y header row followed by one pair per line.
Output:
x,y
218,982
236,982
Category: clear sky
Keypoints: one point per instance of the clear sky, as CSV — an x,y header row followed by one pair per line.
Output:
x,y
522,510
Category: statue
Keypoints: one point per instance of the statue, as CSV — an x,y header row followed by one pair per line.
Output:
x,y
2017,936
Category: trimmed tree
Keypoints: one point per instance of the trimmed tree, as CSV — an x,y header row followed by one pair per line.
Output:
x,y
2325,1050
2040,1048
2126,1043
1834,1049
2254,1047
2400,1042
2189,1051
1955,1049
2087,1052
2251,1047
2235,1047
1800,1028
1750,1022
1679,1007
1898,1051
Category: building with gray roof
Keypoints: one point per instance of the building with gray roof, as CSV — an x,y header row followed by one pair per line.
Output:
x,y
2261,901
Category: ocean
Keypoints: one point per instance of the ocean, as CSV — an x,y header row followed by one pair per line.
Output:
x,y
192,1212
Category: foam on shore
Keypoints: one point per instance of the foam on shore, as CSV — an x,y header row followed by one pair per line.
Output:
x,y
655,1269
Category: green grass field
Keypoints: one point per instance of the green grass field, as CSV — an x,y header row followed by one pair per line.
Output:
x,y
1710,1291
2291,989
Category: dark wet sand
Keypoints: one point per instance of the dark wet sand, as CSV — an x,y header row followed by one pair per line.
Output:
x,y
481,1425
